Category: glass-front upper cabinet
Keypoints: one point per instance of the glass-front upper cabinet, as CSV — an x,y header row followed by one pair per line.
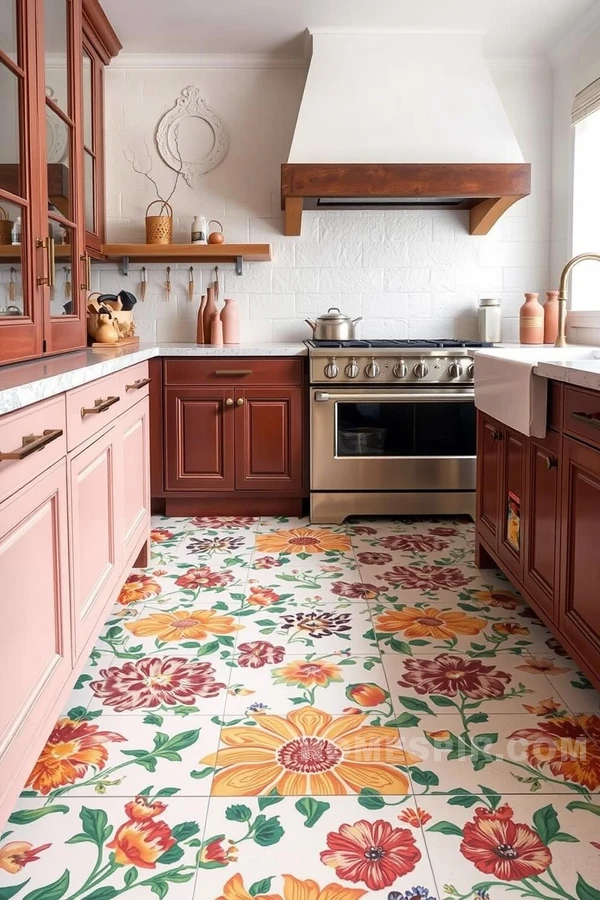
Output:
x,y
93,145
20,317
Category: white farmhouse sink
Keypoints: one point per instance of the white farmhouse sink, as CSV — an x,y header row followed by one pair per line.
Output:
x,y
507,389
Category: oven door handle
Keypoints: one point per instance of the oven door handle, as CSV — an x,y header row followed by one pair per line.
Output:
x,y
408,396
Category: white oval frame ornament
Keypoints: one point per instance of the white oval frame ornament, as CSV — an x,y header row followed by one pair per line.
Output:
x,y
191,105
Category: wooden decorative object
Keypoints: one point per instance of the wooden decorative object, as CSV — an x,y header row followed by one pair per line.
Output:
x,y
159,229
486,189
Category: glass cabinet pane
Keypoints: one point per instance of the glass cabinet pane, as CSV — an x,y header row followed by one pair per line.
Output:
x,y
56,24
8,28
58,157
63,296
12,302
10,162
90,205
88,96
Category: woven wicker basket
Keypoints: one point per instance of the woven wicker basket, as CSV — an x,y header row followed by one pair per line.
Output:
x,y
5,227
159,229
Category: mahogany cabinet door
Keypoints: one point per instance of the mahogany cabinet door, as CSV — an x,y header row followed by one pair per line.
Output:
x,y
135,491
541,542
95,531
511,534
579,606
268,439
35,638
490,436
198,439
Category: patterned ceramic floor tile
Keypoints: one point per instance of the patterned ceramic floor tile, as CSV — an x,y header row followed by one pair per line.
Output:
x,y
304,625
112,757
570,683
502,684
101,848
321,581
303,545
516,754
81,695
511,848
335,683
294,848
163,684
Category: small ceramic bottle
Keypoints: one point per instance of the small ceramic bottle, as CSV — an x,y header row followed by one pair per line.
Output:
x,y
209,310
231,322
200,337
531,321
216,330
551,317
199,230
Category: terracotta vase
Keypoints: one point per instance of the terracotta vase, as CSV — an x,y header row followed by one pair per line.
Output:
x,y
551,317
231,322
200,336
216,330
209,310
531,321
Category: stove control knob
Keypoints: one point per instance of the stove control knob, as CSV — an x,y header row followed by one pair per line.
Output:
x,y
372,370
332,370
400,370
471,370
455,370
352,370
421,370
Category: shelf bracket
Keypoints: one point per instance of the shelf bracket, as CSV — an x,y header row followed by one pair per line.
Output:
x,y
239,265
125,265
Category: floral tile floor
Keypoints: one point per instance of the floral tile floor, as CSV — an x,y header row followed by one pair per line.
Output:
x,y
289,712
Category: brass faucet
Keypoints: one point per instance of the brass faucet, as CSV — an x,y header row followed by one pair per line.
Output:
x,y
561,340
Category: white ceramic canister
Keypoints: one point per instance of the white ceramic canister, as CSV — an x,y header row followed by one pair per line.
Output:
x,y
199,230
489,319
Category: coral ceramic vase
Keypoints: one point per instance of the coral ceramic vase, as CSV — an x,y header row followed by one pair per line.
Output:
x,y
216,330
551,317
231,322
531,321
209,310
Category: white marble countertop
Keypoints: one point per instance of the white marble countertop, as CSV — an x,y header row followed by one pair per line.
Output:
x,y
580,372
29,382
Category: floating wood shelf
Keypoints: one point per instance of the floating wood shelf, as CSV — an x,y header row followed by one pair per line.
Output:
x,y
12,252
198,253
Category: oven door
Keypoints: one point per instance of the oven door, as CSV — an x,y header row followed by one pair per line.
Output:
x,y
391,440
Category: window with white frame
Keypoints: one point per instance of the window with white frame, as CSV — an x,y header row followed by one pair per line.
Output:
x,y
585,289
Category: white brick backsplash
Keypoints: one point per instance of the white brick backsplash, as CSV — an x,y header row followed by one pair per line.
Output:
x,y
416,273
296,280
349,281
272,306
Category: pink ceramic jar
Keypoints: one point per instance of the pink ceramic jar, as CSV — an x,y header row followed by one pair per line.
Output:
x,y
531,321
551,317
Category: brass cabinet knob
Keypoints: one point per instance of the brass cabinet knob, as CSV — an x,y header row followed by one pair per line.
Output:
x,y
229,402
240,401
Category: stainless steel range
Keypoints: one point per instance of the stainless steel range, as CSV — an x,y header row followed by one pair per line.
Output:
x,y
392,428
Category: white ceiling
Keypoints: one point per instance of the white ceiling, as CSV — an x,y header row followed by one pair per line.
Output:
x,y
513,27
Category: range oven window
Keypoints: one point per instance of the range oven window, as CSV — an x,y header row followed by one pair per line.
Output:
x,y
415,429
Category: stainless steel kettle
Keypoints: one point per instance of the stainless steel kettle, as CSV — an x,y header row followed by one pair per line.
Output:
x,y
333,326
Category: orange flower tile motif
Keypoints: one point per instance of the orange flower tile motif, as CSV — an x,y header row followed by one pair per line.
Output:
x,y
140,842
414,817
542,666
309,752
182,624
15,855
569,747
303,540
308,673
428,622
260,596
502,599
293,889
72,748
138,587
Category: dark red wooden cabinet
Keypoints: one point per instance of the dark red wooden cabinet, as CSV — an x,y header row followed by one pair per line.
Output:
x,y
490,437
512,500
234,435
542,528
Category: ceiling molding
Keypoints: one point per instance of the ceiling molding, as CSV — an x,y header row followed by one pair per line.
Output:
x,y
206,61
577,35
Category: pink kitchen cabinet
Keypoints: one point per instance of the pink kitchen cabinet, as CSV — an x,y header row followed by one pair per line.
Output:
x,y
135,461
35,640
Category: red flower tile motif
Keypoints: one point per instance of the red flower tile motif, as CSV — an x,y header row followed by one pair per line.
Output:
x,y
152,682
204,577
355,590
443,531
374,559
256,654
373,853
224,521
505,849
450,675
568,746
415,543
425,578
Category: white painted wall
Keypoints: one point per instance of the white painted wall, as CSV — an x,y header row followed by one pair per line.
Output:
x,y
416,274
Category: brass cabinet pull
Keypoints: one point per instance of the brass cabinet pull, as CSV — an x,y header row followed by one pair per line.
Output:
x,y
551,462
86,259
229,401
99,406
140,383
32,443
240,401
48,246
232,372
592,419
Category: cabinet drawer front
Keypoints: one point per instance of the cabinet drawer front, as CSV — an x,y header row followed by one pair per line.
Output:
x,y
106,395
239,372
133,386
35,643
581,416
47,416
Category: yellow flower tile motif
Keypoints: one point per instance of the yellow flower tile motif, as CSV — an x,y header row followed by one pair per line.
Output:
x,y
182,624
303,540
309,752
428,622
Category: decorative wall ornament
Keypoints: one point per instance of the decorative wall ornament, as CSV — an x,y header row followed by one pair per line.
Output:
x,y
57,135
191,105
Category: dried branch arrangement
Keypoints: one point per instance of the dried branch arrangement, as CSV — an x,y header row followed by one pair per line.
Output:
x,y
147,173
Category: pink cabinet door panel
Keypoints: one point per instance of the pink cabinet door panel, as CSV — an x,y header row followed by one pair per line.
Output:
x,y
35,640
94,531
135,494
